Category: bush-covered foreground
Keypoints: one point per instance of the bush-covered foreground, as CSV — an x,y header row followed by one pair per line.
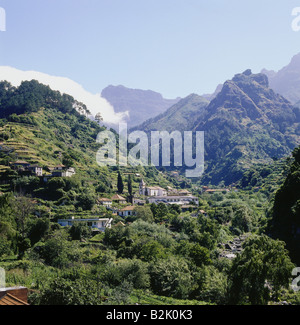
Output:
x,y
177,261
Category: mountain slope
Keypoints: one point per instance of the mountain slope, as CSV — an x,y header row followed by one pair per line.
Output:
x,y
141,104
179,117
43,127
246,123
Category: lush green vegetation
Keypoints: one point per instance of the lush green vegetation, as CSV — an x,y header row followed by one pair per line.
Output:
x,y
285,214
217,253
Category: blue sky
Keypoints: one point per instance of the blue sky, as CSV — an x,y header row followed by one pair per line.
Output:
x,y
175,47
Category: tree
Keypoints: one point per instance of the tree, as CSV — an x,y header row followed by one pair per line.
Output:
x,y
262,268
242,218
86,201
120,184
67,160
132,271
80,231
56,251
171,277
37,229
200,255
23,207
8,224
214,286
129,185
159,211
285,220
144,213
151,251
98,118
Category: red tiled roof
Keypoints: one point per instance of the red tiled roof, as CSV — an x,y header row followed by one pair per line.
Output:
x,y
118,197
10,300
128,208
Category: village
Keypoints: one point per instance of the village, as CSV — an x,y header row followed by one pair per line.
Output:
x,y
25,168
117,205
126,207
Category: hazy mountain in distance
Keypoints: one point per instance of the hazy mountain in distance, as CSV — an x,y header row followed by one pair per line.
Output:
x,y
286,81
213,95
141,104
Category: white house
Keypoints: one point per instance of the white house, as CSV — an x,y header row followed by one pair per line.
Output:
x,y
37,170
118,199
180,200
62,171
151,190
94,223
127,211
105,202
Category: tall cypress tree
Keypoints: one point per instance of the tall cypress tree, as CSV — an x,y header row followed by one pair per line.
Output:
x,y
129,185
120,183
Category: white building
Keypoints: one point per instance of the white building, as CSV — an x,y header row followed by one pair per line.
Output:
x,y
180,200
105,202
37,170
94,223
127,211
62,171
151,190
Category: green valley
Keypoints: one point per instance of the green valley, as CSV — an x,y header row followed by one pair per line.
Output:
x,y
75,233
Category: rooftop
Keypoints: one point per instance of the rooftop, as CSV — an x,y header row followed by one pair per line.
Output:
x,y
118,197
13,296
129,208
87,219
10,300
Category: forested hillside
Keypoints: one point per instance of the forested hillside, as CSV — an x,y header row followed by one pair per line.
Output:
x,y
164,254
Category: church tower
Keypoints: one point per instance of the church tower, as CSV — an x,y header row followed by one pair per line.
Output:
x,y
142,187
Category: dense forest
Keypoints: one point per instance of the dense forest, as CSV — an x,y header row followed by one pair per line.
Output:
x,y
239,246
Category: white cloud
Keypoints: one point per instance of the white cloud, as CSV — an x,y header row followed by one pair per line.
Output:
x,y
94,102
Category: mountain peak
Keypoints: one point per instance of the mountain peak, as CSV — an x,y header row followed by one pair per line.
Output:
x,y
295,62
249,77
247,72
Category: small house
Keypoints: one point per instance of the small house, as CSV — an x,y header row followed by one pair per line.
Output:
x,y
118,199
37,170
94,223
105,202
63,171
176,199
127,211
21,164
137,201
